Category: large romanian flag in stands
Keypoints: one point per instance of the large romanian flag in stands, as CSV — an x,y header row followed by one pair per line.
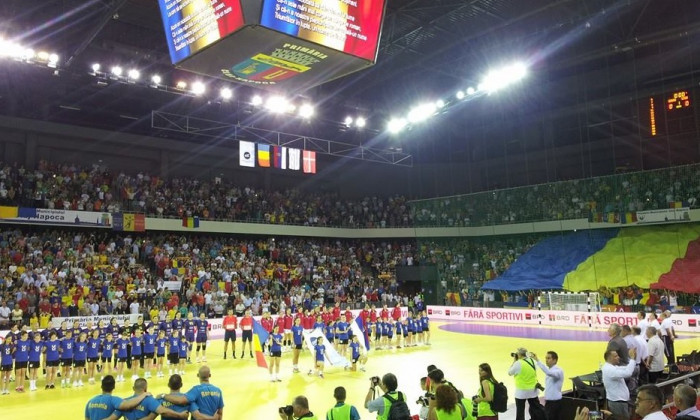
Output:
x,y
190,222
259,336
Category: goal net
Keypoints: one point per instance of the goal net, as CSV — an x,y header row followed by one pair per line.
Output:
x,y
563,301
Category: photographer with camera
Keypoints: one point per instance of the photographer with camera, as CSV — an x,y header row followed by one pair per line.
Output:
x,y
299,409
383,405
486,392
526,385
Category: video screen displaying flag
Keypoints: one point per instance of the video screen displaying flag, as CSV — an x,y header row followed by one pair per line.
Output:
x,y
350,26
191,25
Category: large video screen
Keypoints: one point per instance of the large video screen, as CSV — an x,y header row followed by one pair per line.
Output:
x,y
191,25
350,26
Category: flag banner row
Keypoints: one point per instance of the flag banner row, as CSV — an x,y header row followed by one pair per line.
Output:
x,y
671,215
129,222
280,157
190,222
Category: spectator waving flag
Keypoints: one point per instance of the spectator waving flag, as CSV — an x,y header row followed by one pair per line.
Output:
x,y
259,336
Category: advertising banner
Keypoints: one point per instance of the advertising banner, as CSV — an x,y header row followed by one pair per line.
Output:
x,y
83,320
55,217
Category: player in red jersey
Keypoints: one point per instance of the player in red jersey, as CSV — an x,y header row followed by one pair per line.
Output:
x,y
396,312
336,311
384,313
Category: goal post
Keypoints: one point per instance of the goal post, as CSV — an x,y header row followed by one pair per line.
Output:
x,y
569,301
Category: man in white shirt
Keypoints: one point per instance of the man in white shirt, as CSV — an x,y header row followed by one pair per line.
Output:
x,y
649,402
134,307
642,353
626,335
668,335
616,390
642,322
552,384
685,398
655,358
4,315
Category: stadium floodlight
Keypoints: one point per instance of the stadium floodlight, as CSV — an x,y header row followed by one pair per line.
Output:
x,y
256,100
396,125
422,112
306,111
226,93
181,85
503,77
198,88
53,58
42,55
117,71
459,95
439,104
360,122
28,54
96,67
134,74
156,79
471,91
348,121
277,104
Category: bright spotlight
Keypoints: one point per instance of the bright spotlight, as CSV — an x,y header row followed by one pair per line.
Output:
x,y
360,122
156,79
500,78
43,56
29,54
459,95
181,85
277,104
117,71
422,112
53,58
439,104
348,121
134,74
306,111
256,101
198,88
226,94
471,90
96,67
396,125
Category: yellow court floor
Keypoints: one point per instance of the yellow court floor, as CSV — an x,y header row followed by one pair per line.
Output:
x,y
249,394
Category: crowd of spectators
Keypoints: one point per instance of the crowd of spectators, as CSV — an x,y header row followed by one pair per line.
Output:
x,y
96,188
70,273
648,190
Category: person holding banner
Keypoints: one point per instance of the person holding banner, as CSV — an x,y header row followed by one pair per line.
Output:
x,y
357,355
275,344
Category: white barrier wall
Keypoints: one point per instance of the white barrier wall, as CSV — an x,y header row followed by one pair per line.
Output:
x,y
599,320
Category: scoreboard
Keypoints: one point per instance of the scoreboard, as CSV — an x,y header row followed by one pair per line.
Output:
x,y
269,43
668,114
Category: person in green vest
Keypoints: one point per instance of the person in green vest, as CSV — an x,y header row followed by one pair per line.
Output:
x,y
525,373
299,410
342,411
437,379
485,395
388,384
446,405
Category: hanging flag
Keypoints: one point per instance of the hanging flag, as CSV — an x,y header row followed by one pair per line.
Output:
x,y
279,157
294,159
359,330
247,153
190,222
259,336
129,222
264,155
309,162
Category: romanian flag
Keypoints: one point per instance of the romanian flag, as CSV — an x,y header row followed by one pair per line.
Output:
x,y
629,218
675,204
8,212
264,155
190,222
259,336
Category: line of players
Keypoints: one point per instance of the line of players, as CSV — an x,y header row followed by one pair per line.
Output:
x,y
75,353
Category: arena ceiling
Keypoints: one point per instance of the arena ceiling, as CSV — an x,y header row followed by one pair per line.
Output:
x,y
428,49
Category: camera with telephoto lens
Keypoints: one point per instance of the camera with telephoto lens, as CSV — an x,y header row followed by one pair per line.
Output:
x,y
514,355
287,409
475,406
375,380
539,386
424,401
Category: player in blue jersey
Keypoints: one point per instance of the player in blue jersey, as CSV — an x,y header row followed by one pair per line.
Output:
x,y
93,354
161,349
122,349
357,354
275,343
36,348
177,323
107,352
320,356
183,351
52,349
209,398
190,325
319,324
297,342
103,405
149,350
418,326
21,359
410,342
174,352
330,331
426,326
341,328
7,350
67,349
79,359
175,385
136,353
202,337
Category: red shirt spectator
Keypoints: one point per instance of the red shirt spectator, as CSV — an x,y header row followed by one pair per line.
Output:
x,y
280,323
288,322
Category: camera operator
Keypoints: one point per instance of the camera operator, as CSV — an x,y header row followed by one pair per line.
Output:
x,y
526,385
299,409
423,400
381,405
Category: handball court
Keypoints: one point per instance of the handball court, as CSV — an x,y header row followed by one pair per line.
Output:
x,y
457,348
